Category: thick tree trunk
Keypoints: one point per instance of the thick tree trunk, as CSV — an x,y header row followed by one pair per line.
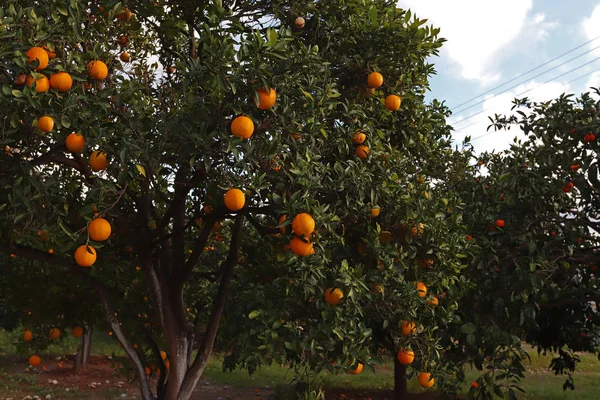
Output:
x,y
400,383
83,355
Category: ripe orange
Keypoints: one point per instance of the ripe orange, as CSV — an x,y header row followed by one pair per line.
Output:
x,y
43,235
574,167
567,188
426,380
123,40
299,23
163,355
433,302
362,151
27,336
45,124
375,80
421,289
61,81
590,137
51,55
282,219
34,360
99,229
408,328
77,332
39,54
167,365
359,137
125,57
234,199
54,333
303,224
500,223
42,84
20,80
242,126
97,70
147,371
98,161
426,263
357,370
417,230
124,15
75,142
406,357
375,211
301,248
333,296
83,257
474,385
266,99
392,102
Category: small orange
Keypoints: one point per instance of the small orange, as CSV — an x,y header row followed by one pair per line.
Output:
x,y
39,54
375,80
51,54
163,355
375,211
75,142
234,199
34,360
303,224
45,124
362,152
408,328
242,126
426,380
301,248
433,302
421,289
359,137
299,23
54,333
426,263
266,99
61,81
167,365
392,102
357,370
406,357
147,371
85,256
27,336
333,297
97,70
282,219
43,235
417,230
42,84
99,229
123,40
124,15
20,80
77,332
98,161
125,57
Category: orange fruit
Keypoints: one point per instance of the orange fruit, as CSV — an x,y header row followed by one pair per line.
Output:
x,y
375,211
147,371
234,199
357,370
27,336
406,357
362,151
83,257
426,380
42,84
500,223
43,235
125,57
417,230
303,224
282,219
51,55
99,229
34,360
61,81
97,70
408,328
124,15
75,142
392,102
54,333
123,40
421,289
359,137
375,80
39,54
98,161
45,124
163,355
242,126
20,80
77,332
333,296
433,302
167,365
426,263
301,248
266,100
299,23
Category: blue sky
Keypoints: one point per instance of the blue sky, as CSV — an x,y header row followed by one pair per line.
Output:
x,y
493,41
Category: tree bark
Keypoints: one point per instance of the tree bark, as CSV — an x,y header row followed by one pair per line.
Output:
x,y
83,355
400,382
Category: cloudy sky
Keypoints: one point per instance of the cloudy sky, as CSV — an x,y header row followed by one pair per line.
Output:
x,y
491,42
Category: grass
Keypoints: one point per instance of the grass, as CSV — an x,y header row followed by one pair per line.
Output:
x,y
540,382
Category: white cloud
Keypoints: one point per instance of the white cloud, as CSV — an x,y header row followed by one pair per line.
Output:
x,y
591,25
477,30
593,81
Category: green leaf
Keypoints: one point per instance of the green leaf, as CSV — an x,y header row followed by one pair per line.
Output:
x,y
17,93
254,314
141,169
65,121
468,328
62,10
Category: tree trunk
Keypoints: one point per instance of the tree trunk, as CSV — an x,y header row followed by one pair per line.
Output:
x,y
83,355
400,383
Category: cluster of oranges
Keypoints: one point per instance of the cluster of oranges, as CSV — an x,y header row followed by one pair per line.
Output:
x,y
54,334
99,230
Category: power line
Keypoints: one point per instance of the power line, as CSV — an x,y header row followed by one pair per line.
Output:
x,y
489,133
530,79
525,73
536,87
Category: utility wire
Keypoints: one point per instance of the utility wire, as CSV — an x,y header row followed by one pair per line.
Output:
x,y
526,73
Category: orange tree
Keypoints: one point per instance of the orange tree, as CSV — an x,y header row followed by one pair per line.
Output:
x,y
155,141
533,216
